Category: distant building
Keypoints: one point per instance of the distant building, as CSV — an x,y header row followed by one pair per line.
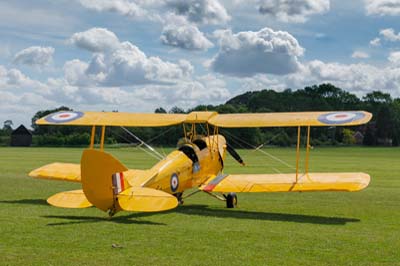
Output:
x,y
21,137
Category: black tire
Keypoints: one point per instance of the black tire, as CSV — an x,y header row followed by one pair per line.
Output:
x,y
231,200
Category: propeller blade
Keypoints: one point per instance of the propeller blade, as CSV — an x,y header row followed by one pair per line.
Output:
x,y
234,154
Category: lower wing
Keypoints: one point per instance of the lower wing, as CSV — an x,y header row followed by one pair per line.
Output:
x,y
72,172
287,182
58,171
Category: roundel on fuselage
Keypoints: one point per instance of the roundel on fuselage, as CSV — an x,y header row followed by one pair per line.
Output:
x,y
174,182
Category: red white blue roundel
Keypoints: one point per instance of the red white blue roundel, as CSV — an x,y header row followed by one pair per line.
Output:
x,y
63,116
335,118
174,182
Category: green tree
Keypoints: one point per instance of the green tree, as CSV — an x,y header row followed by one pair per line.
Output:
x,y
348,137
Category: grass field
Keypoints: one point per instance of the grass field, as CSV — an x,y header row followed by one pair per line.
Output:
x,y
339,228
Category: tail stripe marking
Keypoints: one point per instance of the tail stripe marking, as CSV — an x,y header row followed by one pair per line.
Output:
x,y
118,183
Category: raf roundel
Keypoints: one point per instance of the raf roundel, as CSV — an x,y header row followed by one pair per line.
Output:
x,y
63,117
174,182
336,118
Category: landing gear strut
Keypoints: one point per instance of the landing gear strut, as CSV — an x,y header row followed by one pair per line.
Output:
x,y
179,198
231,200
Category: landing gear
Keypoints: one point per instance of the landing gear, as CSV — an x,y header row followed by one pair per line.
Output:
x,y
231,200
179,198
111,212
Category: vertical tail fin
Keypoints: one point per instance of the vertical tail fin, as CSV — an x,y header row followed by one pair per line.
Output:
x,y
105,187
102,179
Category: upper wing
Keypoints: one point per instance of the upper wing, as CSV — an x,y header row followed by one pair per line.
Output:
x,y
58,171
111,119
287,182
339,118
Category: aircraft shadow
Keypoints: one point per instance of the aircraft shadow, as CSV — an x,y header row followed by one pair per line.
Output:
x,y
204,210
199,210
91,219
26,201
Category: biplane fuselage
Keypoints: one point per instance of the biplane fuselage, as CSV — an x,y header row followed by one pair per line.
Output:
x,y
198,163
187,167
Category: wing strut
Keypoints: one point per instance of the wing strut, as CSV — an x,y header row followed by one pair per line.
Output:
x,y
307,149
92,137
103,132
298,153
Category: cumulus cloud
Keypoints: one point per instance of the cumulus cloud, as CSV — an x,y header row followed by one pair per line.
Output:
x,y
249,53
96,40
183,34
358,78
35,56
15,79
123,7
382,7
116,63
394,58
390,35
375,42
360,55
293,10
200,11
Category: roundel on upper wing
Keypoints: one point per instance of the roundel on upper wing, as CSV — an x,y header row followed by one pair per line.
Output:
x,y
63,116
174,182
335,118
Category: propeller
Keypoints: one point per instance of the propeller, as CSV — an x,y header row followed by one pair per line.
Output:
x,y
234,154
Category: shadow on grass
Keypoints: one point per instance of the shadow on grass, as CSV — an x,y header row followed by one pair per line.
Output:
x,y
204,210
26,201
91,219
199,210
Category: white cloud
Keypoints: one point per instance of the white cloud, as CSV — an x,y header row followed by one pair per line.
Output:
x,y
382,7
357,78
200,11
181,33
394,58
75,72
249,53
293,10
116,63
96,40
15,79
123,7
390,35
360,55
35,56
375,42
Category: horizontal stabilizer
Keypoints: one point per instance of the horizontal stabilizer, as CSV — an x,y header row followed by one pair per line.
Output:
x,y
69,199
58,171
146,200
287,182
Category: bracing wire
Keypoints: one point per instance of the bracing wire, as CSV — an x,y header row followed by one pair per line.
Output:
x,y
139,146
156,153
238,140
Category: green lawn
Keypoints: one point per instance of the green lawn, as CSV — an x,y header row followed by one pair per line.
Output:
x,y
339,228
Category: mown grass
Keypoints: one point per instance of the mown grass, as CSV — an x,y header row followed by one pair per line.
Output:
x,y
339,228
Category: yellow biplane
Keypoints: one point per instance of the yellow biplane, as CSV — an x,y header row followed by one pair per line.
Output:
x,y
198,163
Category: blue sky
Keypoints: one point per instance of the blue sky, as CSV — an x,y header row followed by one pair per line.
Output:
x,y
136,55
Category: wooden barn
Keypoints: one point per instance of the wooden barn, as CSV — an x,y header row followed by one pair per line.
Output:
x,y
21,137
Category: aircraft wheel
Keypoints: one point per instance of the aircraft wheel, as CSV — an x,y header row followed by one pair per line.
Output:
x,y
231,200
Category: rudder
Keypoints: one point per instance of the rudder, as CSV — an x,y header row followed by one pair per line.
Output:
x,y
99,170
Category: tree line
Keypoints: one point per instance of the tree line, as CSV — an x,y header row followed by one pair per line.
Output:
x,y
384,128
